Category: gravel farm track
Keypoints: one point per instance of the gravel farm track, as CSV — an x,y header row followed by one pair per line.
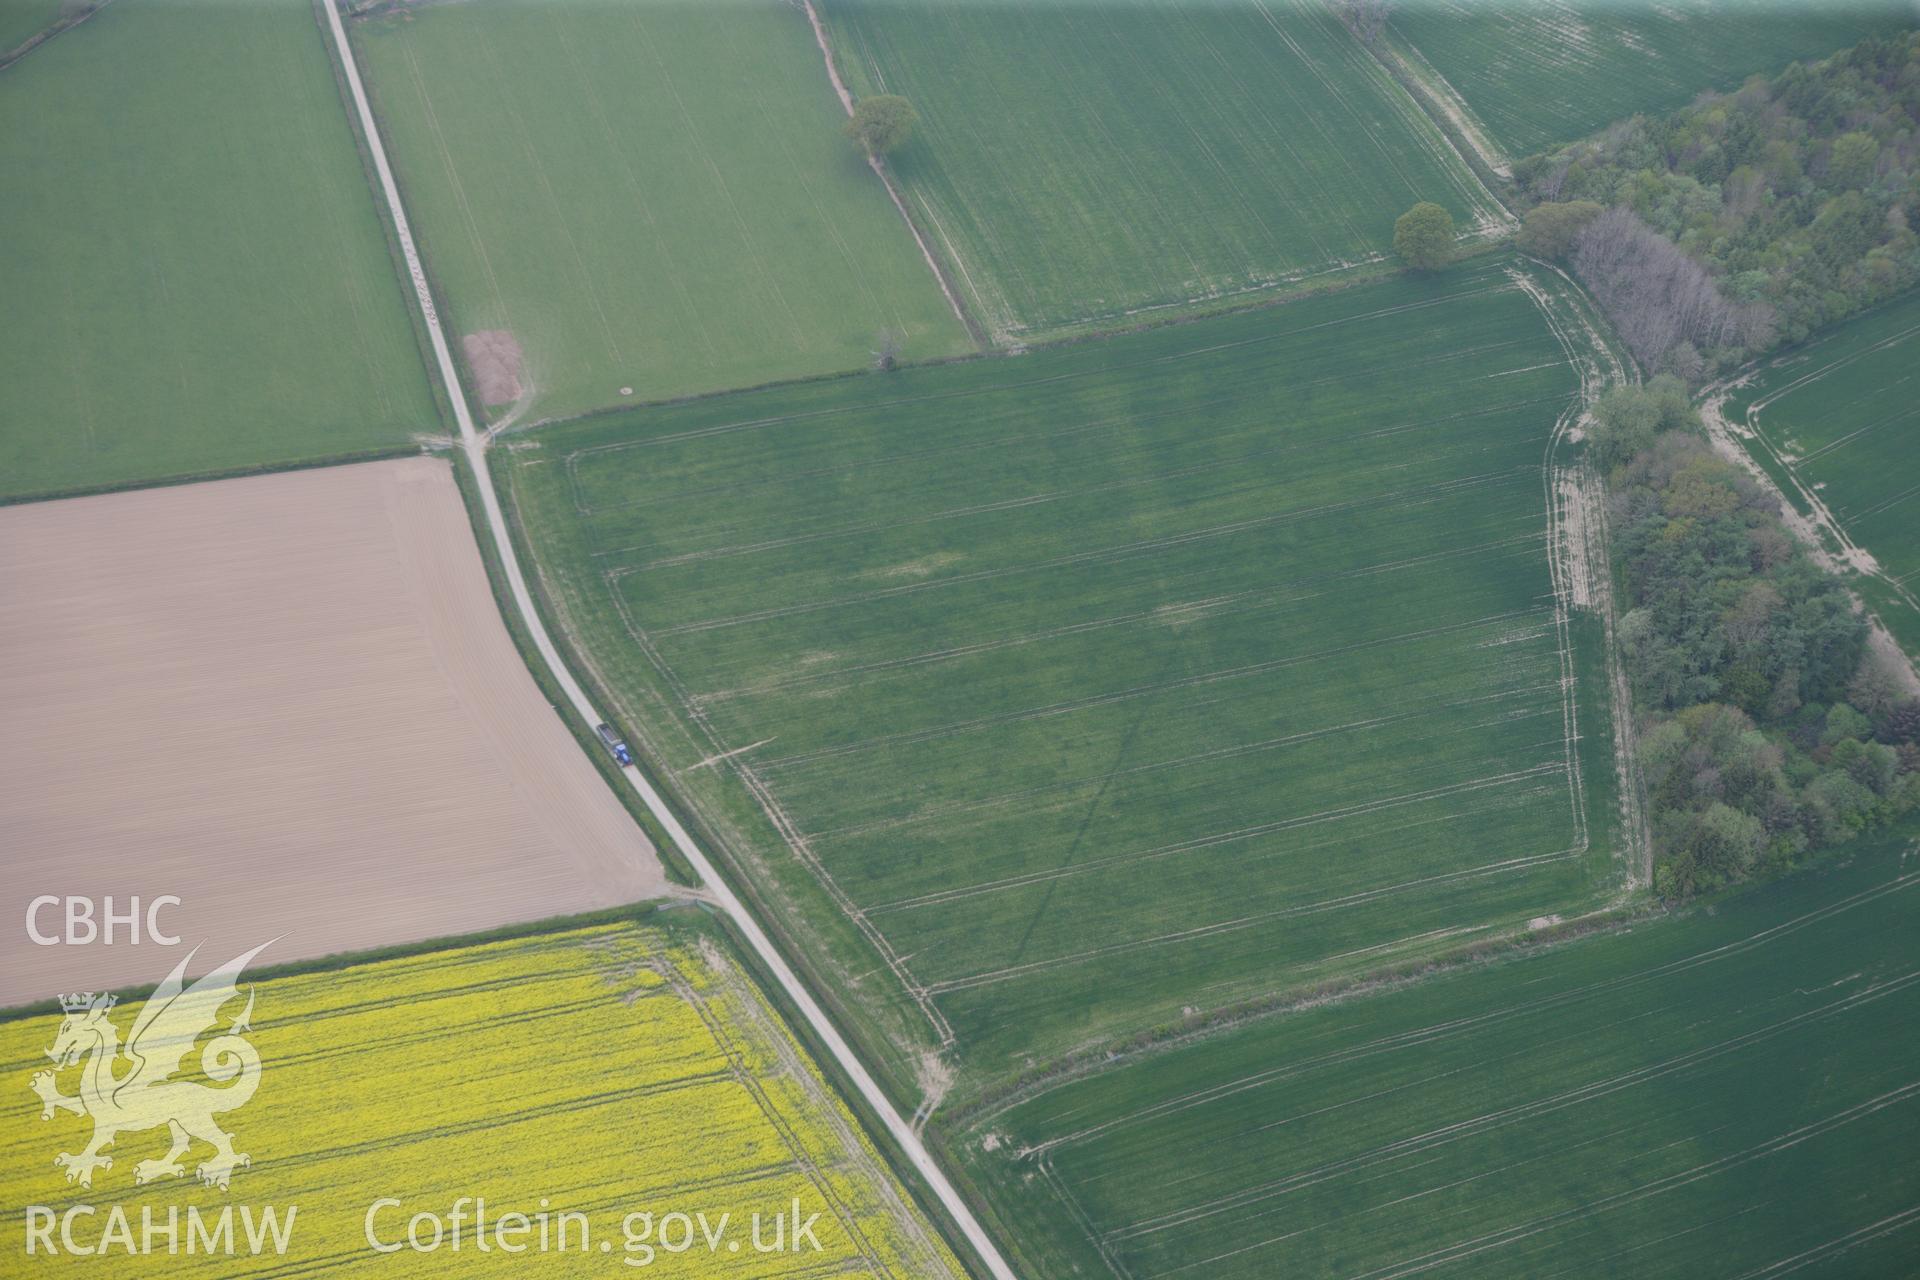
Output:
x,y
289,701
722,893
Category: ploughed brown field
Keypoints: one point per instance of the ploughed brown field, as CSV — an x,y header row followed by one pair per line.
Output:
x,y
290,701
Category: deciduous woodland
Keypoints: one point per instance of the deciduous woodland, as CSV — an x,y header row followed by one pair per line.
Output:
x,y
1750,218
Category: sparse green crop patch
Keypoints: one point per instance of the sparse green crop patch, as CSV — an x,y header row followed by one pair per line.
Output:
x,y
1839,420
1540,72
1081,163
642,201
1732,1093
194,276
1118,677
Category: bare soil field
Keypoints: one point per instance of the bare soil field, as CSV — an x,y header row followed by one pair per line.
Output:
x,y
288,700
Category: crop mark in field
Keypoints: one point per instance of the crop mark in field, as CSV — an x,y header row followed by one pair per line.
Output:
x,y
953,809
1397,500
1252,600
789,831
1525,1111
1477,289
866,529
1520,772
944,897
1125,695
1127,739
1130,422
1423,1037
993,977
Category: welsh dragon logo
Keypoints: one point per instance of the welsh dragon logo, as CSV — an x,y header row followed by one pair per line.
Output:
x,y
146,1095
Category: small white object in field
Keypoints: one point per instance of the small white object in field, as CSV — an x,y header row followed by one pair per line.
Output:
x,y
626,391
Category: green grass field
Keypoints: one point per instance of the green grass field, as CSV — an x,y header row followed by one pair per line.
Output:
x,y
1731,1093
194,277
1079,163
1115,678
650,196
1839,419
1541,72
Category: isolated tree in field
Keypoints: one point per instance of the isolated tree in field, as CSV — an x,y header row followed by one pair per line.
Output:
x,y
1423,237
881,124
886,348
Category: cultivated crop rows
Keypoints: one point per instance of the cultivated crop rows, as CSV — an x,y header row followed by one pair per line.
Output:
x,y
604,1070
1839,422
1079,164
1746,1113
1539,72
194,278
1117,678
648,197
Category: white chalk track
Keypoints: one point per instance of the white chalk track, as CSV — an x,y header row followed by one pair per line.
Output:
x,y
722,893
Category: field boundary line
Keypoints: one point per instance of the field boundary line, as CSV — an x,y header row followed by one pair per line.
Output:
x,y
1418,1036
1583,491
796,841
46,34
1463,133
1413,65
740,1069
1737,443
723,894
879,167
1477,288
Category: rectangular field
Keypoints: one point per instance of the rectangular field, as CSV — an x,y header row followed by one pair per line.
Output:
x,y
649,196
289,701
604,1070
1731,1093
1535,73
1081,163
195,278
1115,678
1839,421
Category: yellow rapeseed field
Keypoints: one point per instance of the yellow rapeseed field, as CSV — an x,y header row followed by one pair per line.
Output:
x,y
624,1087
